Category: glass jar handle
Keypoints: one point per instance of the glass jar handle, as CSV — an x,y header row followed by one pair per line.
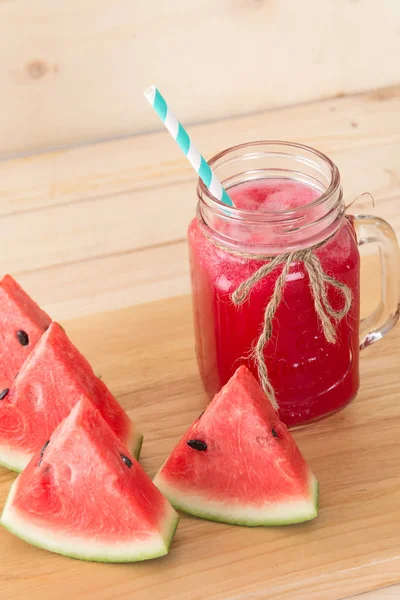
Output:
x,y
373,230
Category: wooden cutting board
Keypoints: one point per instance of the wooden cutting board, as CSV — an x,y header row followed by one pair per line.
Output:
x,y
145,355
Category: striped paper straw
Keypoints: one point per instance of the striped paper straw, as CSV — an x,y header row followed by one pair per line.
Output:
x,y
183,140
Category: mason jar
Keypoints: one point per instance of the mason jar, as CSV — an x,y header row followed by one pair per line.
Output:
x,y
287,197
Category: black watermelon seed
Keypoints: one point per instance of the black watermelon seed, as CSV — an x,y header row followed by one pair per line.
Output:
x,y
42,452
126,460
202,414
274,433
44,447
22,337
197,445
4,393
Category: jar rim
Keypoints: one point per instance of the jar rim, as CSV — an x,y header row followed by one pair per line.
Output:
x,y
331,190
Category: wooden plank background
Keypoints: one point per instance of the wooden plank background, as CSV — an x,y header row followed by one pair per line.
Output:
x,y
103,226
75,71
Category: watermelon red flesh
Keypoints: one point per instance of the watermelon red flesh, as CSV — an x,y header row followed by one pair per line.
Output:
x,y
54,377
251,473
85,496
18,312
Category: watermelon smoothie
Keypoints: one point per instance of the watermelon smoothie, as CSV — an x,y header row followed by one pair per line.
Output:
x,y
276,214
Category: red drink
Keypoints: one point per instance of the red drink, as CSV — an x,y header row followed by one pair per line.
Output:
x,y
311,377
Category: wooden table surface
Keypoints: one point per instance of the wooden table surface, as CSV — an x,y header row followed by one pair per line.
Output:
x,y
99,227
145,354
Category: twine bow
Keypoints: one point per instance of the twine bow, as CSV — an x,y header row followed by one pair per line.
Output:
x,y
319,282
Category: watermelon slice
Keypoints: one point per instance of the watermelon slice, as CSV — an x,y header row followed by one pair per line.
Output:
x,y
239,464
50,382
22,323
85,496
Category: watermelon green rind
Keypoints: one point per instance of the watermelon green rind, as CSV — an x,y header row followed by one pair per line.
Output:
x,y
136,447
88,551
13,460
284,513
17,461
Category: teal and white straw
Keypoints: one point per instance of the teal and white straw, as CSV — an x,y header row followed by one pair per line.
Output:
x,y
183,140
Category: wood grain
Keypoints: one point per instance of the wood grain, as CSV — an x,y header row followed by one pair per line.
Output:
x,y
100,227
360,132
74,72
145,354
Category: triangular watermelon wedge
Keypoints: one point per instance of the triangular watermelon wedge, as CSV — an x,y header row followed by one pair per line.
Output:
x,y
239,464
22,323
53,378
85,496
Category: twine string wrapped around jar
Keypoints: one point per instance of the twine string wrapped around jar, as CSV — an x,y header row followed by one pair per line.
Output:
x,y
319,283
